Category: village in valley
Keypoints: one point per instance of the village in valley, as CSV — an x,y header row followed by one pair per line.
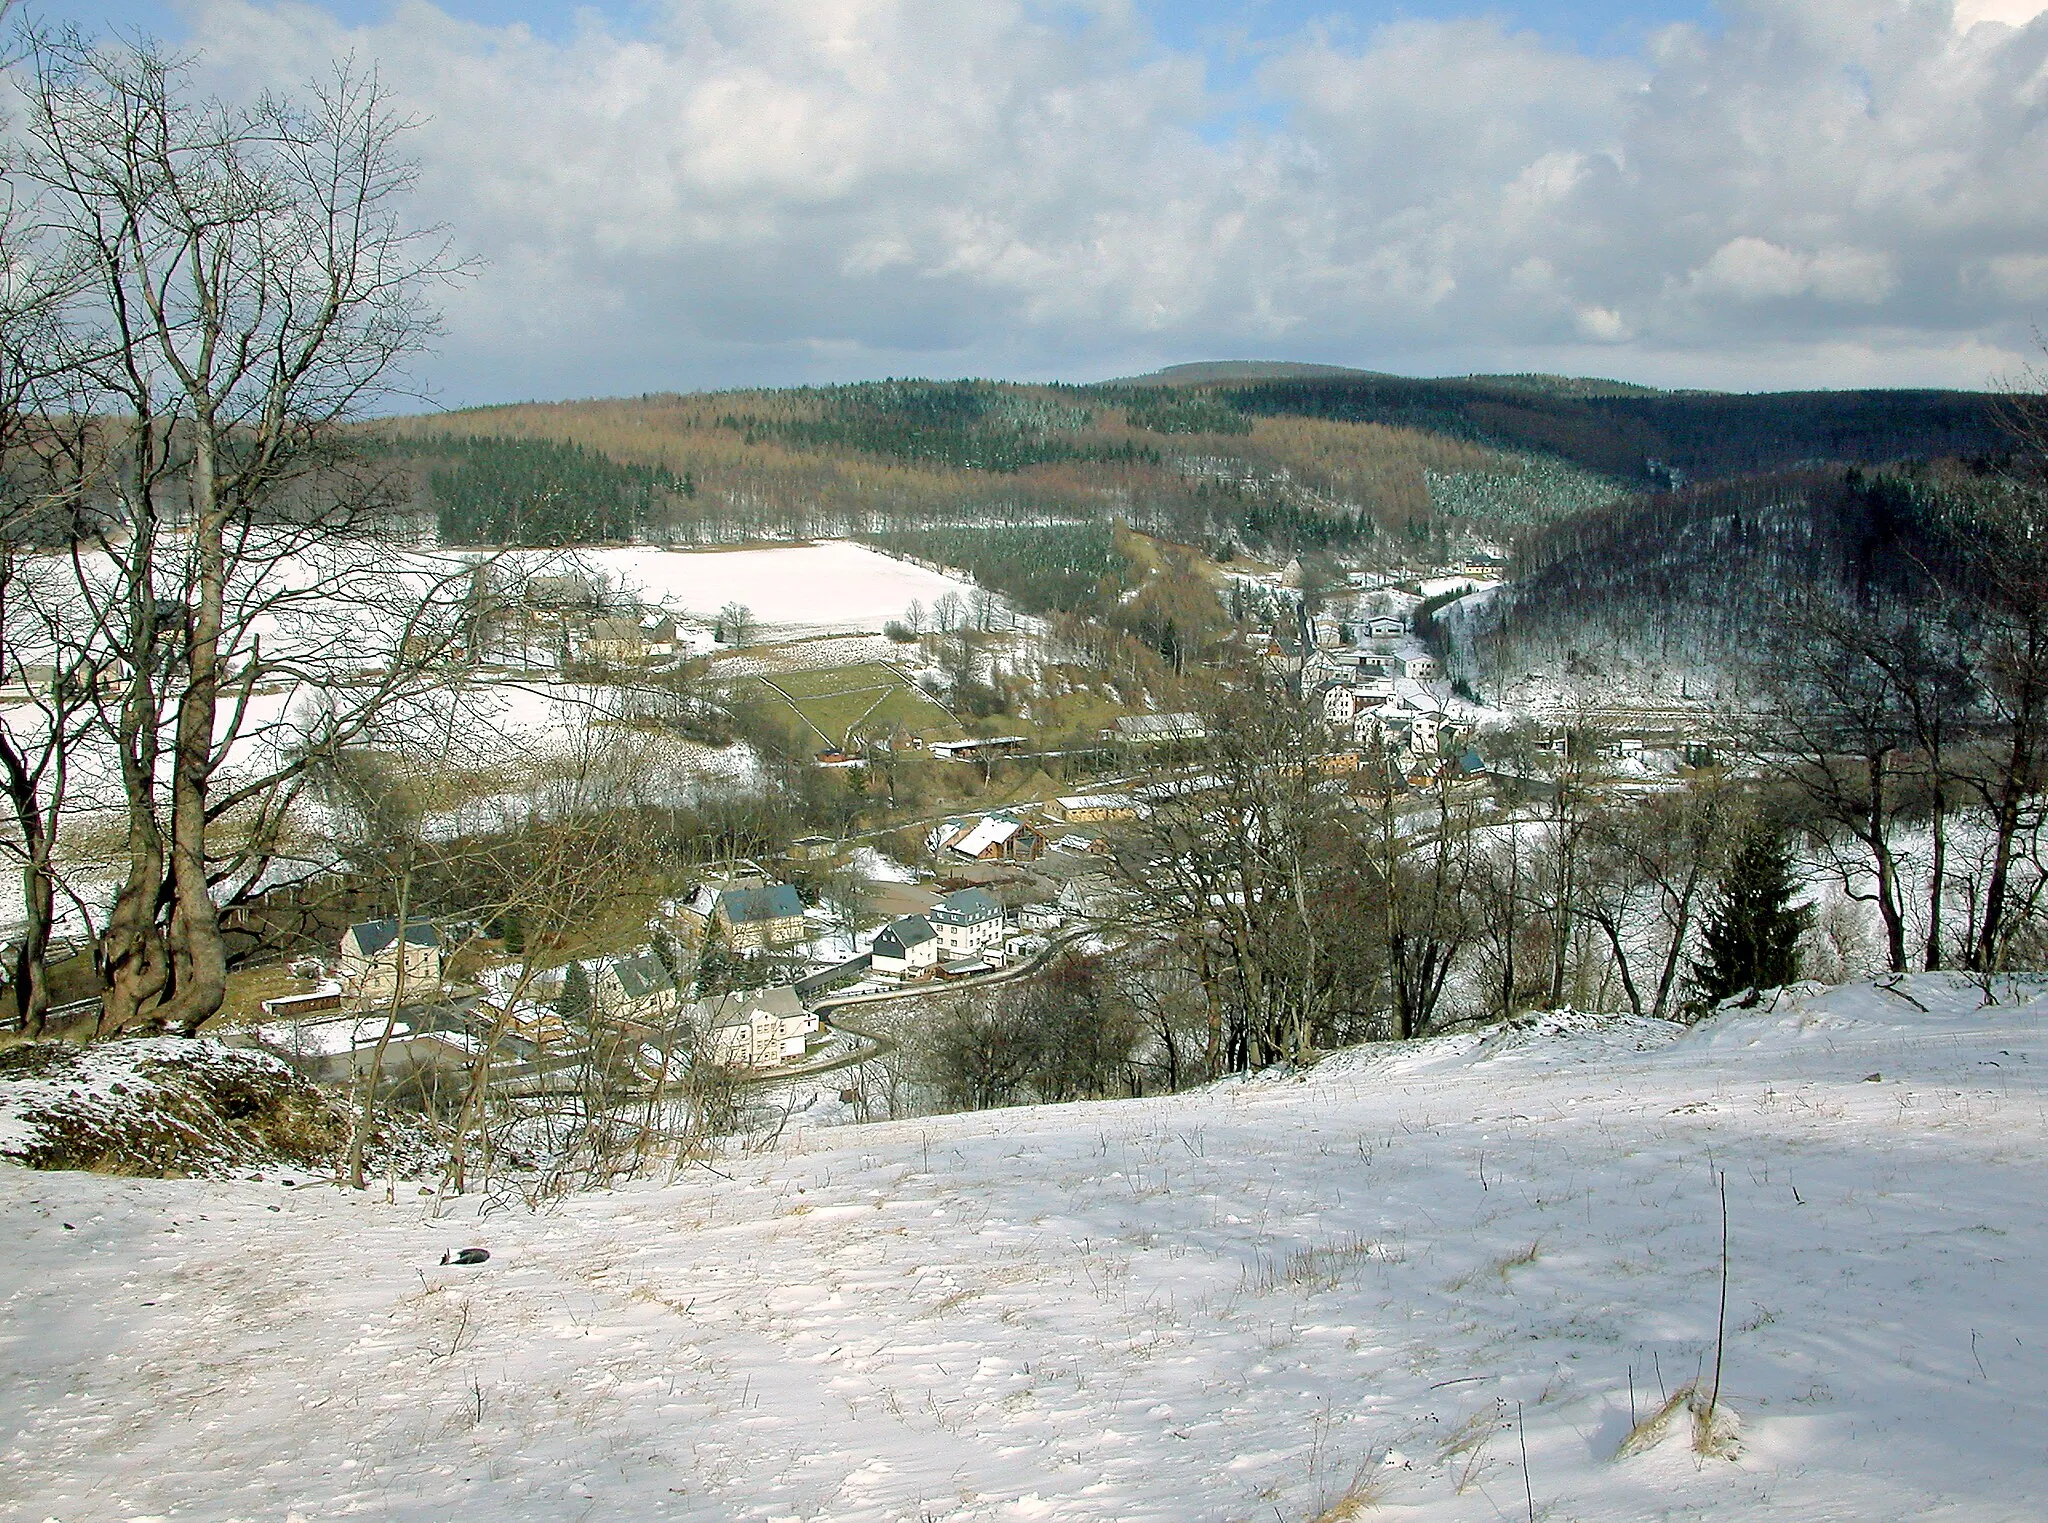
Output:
x,y
423,1010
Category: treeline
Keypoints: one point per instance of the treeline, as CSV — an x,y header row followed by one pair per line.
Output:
x,y
1174,410
486,490
969,424
1306,914
1646,438
1042,568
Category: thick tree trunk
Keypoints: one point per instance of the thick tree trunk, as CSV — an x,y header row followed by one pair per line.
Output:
x,y
1878,838
1628,983
1937,873
198,955
2008,808
31,972
131,959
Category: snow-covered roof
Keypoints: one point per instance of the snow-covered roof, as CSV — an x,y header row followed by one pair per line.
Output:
x,y
1161,726
992,830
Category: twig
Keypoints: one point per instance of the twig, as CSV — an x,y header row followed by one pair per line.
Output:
x,y
1721,1325
1892,987
1522,1434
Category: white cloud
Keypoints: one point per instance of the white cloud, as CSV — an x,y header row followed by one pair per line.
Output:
x,y
784,189
2005,12
1755,269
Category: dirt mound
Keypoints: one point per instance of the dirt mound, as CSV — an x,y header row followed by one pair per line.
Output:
x,y
161,1106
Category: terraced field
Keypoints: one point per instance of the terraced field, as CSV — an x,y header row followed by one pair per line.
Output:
x,y
842,705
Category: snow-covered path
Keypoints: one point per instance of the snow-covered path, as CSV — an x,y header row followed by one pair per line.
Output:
x,y
1230,1305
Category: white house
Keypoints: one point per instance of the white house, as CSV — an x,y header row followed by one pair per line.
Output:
x,y
758,1028
637,987
1378,664
1408,715
369,961
750,912
1418,668
907,948
966,922
1340,704
1385,627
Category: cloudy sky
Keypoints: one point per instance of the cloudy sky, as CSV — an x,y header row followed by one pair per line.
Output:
x,y
697,193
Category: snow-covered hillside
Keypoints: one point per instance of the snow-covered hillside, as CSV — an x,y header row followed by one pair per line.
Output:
x,y
1378,1279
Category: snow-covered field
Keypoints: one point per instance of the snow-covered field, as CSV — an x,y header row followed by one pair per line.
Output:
x,y
1382,1277
831,587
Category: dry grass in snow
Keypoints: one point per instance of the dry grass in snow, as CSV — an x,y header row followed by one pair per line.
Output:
x,y
1360,1292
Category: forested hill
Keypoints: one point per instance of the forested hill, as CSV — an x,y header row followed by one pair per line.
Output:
x,y
1660,595
1641,436
1231,459
907,457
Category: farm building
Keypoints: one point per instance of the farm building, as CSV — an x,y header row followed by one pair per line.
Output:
x,y
1093,809
1153,729
977,748
630,638
991,838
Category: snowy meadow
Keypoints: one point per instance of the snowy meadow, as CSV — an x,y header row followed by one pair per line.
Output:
x,y
1443,1281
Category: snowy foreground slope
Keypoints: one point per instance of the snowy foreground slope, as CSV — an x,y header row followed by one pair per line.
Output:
x,y
1239,1304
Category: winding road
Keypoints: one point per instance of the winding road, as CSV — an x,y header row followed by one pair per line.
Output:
x,y
880,1042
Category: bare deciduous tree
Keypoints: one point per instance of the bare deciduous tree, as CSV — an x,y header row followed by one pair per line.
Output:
x,y
247,283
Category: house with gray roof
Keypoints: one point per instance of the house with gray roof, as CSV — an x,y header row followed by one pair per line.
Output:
x,y
751,913
756,1028
907,947
376,961
637,988
966,922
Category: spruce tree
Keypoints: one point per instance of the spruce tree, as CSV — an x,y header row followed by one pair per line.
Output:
x,y
720,970
1753,928
667,953
574,1003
